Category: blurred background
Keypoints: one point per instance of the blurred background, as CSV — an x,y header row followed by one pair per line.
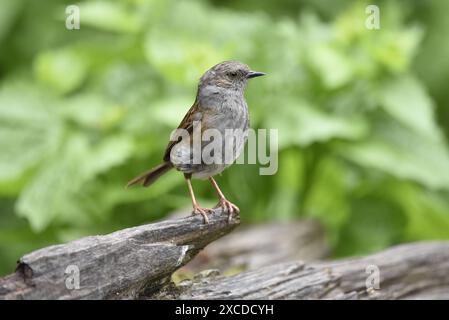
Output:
x,y
363,116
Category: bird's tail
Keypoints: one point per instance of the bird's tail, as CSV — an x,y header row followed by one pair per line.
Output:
x,y
150,176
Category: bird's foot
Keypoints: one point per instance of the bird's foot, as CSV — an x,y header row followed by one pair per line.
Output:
x,y
228,206
202,211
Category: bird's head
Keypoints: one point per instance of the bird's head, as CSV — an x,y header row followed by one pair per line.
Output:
x,y
232,75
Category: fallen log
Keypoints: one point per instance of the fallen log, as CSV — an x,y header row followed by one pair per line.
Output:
x,y
120,265
139,262
409,271
259,245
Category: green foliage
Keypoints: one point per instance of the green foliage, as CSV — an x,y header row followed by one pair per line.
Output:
x,y
28,132
362,116
52,66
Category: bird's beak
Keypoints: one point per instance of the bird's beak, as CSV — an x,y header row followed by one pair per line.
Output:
x,y
253,74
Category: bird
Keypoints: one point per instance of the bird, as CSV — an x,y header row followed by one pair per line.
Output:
x,y
220,105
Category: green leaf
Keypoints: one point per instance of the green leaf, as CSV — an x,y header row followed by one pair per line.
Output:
x,y
110,16
406,100
288,183
168,111
328,200
92,111
332,66
300,123
9,12
30,129
374,223
395,49
109,153
63,70
56,190
168,44
175,58
427,212
403,154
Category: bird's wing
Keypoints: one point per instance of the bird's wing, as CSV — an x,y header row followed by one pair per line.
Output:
x,y
194,114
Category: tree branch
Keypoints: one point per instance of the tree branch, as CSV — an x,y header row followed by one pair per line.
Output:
x,y
122,264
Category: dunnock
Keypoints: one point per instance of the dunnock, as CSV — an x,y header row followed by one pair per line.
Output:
x,y
219,105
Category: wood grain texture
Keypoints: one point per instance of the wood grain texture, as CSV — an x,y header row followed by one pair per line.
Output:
x,y
259,245
138,262
123,264
410,271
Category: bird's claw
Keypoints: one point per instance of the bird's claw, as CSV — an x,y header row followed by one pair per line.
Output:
x,y
228,206
203,212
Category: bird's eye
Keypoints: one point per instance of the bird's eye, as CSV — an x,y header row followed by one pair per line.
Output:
x,y
233,74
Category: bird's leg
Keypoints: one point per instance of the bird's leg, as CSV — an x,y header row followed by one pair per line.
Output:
x,y
223,202
196,207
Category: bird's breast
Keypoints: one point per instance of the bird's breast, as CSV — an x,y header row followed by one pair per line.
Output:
x,y
229,112
225,113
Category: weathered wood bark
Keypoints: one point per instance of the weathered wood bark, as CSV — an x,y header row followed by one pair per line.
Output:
x,y
412,271
262,245
138,263
122,264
